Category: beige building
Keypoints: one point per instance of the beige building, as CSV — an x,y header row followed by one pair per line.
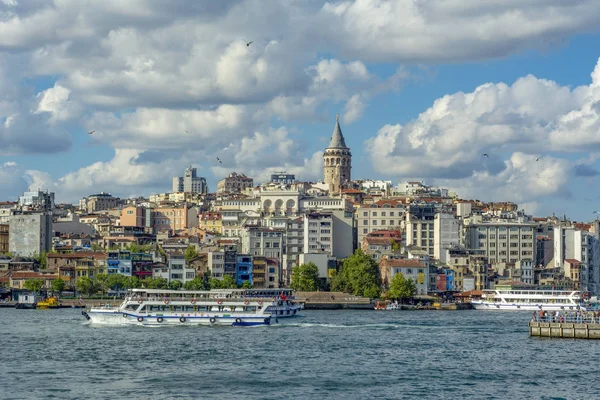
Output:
x,y
174,218
100,201
382,215
133,216
337,161
234,183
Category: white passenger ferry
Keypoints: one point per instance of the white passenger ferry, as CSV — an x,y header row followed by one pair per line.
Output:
x,y
284,305
531,300
181,307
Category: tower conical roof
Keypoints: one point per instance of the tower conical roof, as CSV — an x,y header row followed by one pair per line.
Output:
x,y
337,139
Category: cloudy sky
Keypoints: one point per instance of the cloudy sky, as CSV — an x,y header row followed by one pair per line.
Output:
x,y
423,89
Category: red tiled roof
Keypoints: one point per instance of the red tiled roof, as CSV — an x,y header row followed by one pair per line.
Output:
x,y
401,263
31,275
81,254
352,191
572,261
378,240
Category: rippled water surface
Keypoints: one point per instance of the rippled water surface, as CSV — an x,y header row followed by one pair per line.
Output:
x,y
55,354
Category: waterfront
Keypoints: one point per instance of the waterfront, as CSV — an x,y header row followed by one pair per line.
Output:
x,y
326,354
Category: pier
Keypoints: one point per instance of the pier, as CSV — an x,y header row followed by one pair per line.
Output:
x,y
565,330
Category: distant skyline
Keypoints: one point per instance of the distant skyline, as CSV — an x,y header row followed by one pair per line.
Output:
x,y
423,90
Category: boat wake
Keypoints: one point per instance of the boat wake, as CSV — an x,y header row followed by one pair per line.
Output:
x,y
340,326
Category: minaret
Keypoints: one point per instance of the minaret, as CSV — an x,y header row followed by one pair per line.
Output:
x,y
337,161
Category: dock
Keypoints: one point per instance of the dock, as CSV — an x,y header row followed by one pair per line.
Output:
x,y
565,330
333,301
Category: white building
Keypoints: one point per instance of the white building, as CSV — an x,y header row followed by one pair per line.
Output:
x,y
216,263
501,241
446,234
178,270
575,244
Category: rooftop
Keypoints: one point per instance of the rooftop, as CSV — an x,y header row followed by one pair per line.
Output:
x,y
337,139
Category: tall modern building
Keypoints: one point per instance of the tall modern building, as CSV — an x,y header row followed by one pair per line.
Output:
x,y
189,182
337,161
37,200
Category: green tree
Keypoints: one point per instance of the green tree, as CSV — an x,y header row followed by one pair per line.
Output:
x,y
96,247
175,285
190,253
359,275
139,248
195,284
401,288
305,277
86,286
395,245
246,285
159,283
161,251
58,285
102,283
34,285
132,282
42,259
215,283
117,281
228,282
146,282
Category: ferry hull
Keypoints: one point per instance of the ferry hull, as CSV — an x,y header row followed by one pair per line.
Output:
x,y
478,305
106,317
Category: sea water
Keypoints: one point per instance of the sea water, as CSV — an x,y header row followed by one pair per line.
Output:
x,y
56,354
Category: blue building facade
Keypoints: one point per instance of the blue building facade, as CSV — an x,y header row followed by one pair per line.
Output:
x,y
243,268
449,279
119,262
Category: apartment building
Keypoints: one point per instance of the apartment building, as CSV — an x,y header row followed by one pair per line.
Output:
x,y
234,183
30,233
190,182
381,215
420,226
446,234
99,202
3,238
501,241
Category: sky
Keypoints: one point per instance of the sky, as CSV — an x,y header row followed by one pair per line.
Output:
x,y
423,90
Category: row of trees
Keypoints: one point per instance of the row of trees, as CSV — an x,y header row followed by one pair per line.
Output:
x,y
358,275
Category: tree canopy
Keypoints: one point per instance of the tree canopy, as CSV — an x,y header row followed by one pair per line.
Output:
x,y
305,277
102,282
246,285
58,285
140,248
359,275
175,285
86,286
34,285
190,253
117,281
159,283
401,288
196,284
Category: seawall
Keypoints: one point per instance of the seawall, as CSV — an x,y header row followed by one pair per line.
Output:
x,y
564,330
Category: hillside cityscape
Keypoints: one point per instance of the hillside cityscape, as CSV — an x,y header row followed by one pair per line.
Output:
x,y
253,235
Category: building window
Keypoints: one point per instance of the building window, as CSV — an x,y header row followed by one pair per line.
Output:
x,y
383,222
374,222
365,214
366,231
383,213
374,213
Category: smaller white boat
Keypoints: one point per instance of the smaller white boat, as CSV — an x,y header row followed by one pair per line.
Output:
x,y
183,307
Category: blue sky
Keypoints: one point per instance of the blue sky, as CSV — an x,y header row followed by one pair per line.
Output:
x,y
407,78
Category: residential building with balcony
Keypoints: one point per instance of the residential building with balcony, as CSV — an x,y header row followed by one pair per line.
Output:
x,y
446,234
420,226
410,269
243,269
211,222
119,262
